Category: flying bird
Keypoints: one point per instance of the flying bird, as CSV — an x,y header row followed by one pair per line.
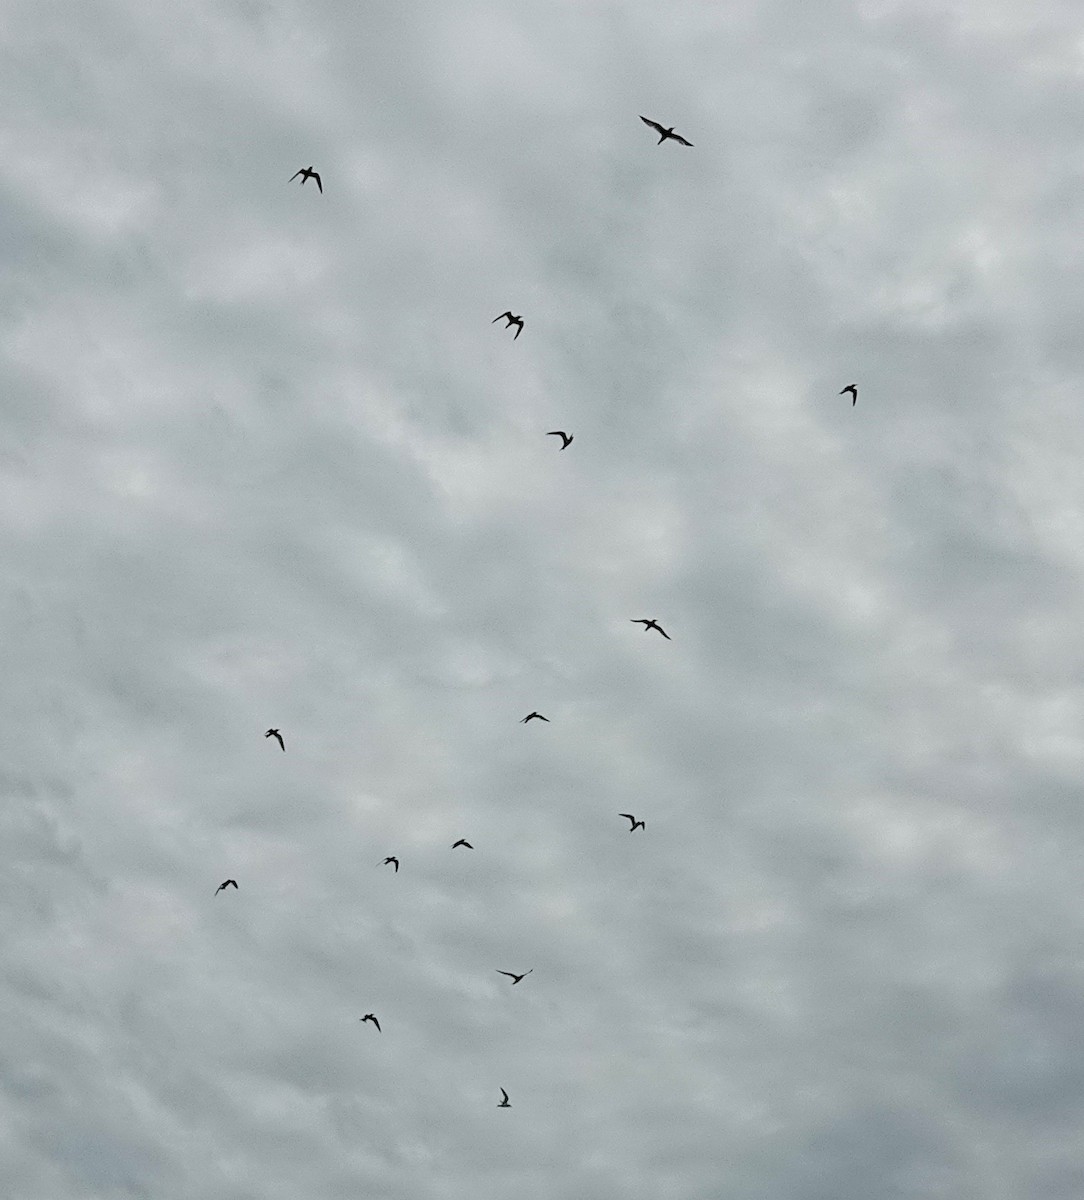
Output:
x,y
853,389
652,624
275,734
391,859
462,842
531,716
515,978
635,824
511,321
370,1017
228,883
308,173
665,133
566,438
504,1103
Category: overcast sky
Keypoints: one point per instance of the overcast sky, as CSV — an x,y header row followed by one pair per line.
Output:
x,y
265,460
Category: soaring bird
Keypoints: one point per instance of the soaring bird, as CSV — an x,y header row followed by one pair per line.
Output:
x,y
652,624
504,1103
275,734
515,978
532,716
635,824
308,173
511,321
462,842
228,883
566,438
853,389
370,1017
665,133
391,859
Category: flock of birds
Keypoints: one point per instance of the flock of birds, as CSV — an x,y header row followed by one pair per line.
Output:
x,y
648,623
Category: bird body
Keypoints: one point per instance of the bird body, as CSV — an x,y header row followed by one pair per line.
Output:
x,y
278,736
515,978
391,859
308,173
511,321
665,133
635,824
566,438
853,389
650,624
534,716
504,1103
229,883
370,1017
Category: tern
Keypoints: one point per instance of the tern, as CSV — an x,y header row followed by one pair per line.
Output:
x,y
635,824
511,321
665,133
533,716
228,883
853,389
308,173
652,624
462,842
391,859
275,734
515,978
370,1017
504,1103
566,438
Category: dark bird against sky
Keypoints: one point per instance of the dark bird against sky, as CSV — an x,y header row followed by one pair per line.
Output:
x,y
515,978
462,842
308,173
635,824
566,438
504,1103
650,624
533,716
853,389
511,321
275,734
665,133
391,859
370,1017
229,883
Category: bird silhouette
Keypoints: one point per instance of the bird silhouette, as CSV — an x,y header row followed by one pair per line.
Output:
x,y
228,883
391,859
853,389
308,173
504,1103
275,734
515,978
635,824
532,716
566,438
370,1017
652,624
665,133
511,321
462,842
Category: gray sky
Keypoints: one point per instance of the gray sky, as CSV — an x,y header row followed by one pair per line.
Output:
x,y
265,461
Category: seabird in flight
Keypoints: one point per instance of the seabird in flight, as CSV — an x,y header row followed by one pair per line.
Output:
x,y
511,321
462,842
275,734
308,173
370,1017
652,624
504,1103
635,824
853,389
391,859
665,133
228,883
531,716
566,438
515,978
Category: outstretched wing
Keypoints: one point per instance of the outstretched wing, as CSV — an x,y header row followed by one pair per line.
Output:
x,y
629,816
501,318
663,632
321,186
654,125
508,973
293,177
504,1095
678,138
